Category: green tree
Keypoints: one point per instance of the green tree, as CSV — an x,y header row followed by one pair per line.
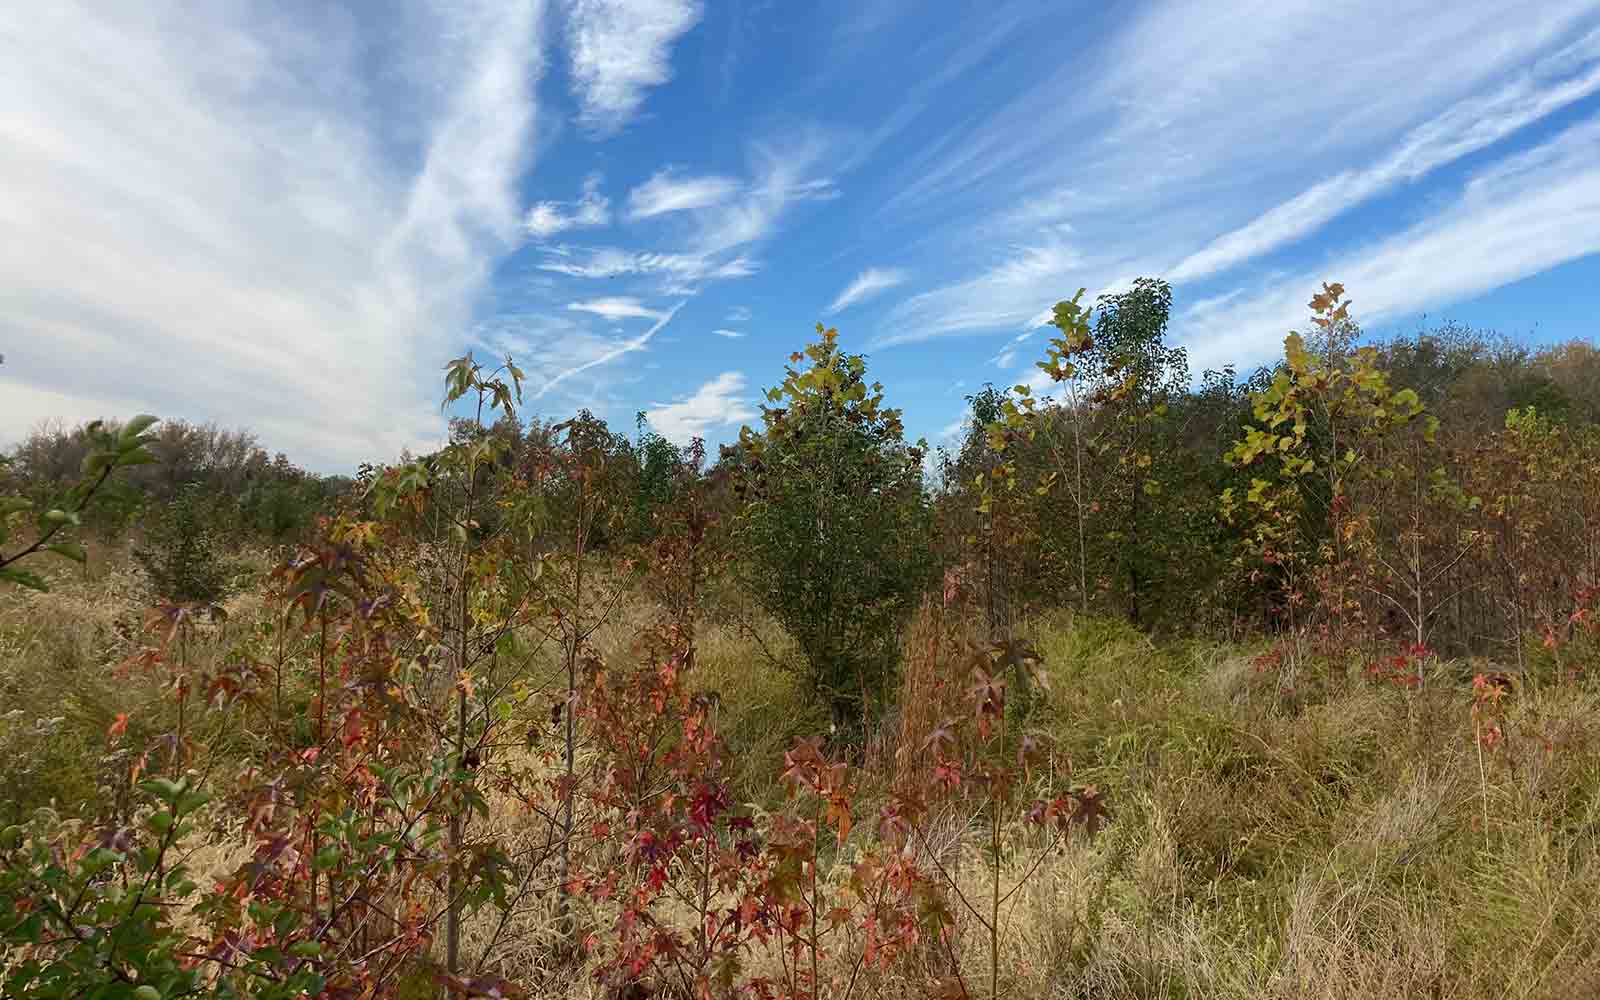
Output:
x,y
1318,428
657,474
1137,376
179,553
109,449
1106,446
988,522
836,528
481,594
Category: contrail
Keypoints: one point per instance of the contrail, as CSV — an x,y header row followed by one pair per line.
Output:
x,y
632,345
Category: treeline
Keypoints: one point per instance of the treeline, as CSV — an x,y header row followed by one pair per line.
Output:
x,y
203,493
1440,489
261,495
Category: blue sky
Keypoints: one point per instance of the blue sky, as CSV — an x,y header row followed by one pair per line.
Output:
x,y
287,216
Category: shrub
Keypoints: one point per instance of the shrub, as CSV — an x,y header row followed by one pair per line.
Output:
x,y
180,551
107,451
836,530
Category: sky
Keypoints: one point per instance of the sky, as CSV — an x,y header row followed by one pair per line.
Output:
x,y
289,215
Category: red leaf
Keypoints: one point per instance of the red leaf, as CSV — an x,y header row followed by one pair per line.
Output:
x,y
350,732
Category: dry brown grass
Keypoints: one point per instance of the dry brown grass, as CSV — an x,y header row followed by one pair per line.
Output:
x,y
931,688
1327,846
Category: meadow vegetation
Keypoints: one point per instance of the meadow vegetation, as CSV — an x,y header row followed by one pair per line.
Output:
x,y
1150,685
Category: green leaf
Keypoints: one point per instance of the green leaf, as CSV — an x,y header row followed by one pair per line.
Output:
x,y
99,859
137,426
164,789
10,505
23,578
69,550
95,461
190,801
147,992
137,456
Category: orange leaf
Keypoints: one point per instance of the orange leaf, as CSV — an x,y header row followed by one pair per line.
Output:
x,y
351,732
118,727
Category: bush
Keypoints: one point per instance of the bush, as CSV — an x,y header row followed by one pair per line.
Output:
x,y
837,528
179,554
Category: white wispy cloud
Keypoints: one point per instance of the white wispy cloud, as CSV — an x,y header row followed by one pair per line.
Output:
x,y
1152,132
718,403
592,209
716,234
1531,212
1047,208
1470,125
738,267
546,343
1009,294
730,334
619,49
666,191
201,223
1168,138
739,314
617,307
611,309
1338,97
722,220
964,46
873,281
609,262
781,177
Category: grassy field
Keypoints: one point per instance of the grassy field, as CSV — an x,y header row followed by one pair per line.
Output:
x,y
1333,837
